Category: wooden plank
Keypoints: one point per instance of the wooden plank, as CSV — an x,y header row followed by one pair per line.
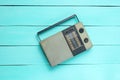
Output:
x,y
15,35
30,55
64,72
62,2
49,15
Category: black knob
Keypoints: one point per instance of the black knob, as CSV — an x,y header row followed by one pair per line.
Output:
x,y
86,40
81,30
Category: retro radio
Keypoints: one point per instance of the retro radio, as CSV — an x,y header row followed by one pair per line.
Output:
x,y
66,43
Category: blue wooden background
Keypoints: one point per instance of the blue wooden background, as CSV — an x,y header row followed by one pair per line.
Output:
x,y
21,57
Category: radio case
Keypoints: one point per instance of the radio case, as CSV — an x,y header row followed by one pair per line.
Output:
x,y
65,44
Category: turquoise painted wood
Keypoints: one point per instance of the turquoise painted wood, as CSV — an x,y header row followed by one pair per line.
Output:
x,y
15,55
21,57
79,72
21,35
59,2
71,72
49,15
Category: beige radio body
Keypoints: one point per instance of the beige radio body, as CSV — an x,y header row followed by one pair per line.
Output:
x,y
66,44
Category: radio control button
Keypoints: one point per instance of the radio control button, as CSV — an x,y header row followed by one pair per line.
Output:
x,y
86,40
81,30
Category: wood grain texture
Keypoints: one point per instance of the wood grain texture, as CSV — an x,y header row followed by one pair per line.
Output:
x,y
49,15
21,35
25,55
78,72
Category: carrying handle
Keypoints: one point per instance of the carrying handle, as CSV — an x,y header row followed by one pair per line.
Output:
x,y
56,24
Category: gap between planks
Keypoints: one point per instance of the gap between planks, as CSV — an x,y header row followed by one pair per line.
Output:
x,y
61,5
58,64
